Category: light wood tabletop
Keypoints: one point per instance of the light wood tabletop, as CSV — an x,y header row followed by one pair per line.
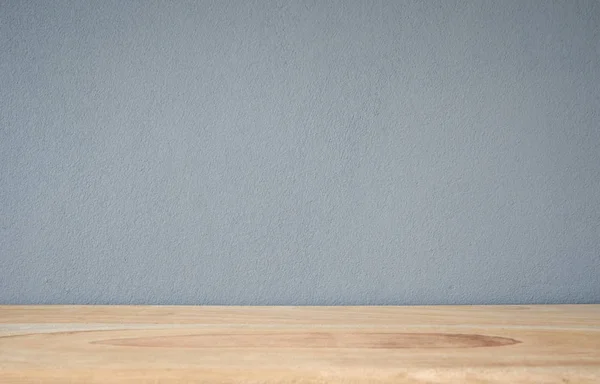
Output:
x,y
184,344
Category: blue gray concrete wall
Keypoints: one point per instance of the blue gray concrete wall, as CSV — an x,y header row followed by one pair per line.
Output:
x,y
299,152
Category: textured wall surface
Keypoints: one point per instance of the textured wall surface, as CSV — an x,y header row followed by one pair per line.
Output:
x,y
299,152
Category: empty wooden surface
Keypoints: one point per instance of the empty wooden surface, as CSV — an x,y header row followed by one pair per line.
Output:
x,y
175,344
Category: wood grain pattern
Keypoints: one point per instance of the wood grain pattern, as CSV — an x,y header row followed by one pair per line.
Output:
x,y
170,344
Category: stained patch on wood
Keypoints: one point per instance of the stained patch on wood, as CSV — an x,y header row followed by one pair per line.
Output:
x,y
378,340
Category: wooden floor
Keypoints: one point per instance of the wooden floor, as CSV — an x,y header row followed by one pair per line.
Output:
x,y
149,344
